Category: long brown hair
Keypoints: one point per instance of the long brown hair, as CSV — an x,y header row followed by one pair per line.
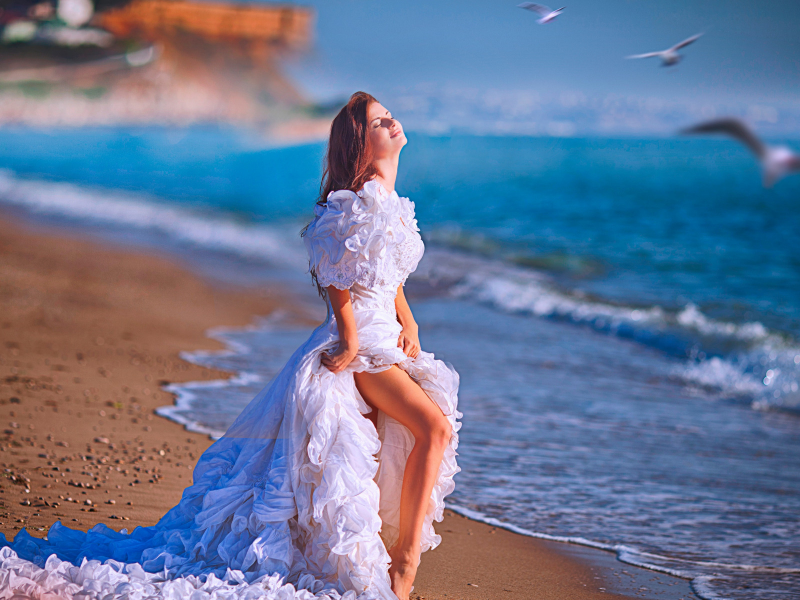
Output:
x,y
348,162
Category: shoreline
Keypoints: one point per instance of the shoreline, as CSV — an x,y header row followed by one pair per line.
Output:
x,y
89,336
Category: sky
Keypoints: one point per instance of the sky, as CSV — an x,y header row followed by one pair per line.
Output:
x,y
749,55
750,50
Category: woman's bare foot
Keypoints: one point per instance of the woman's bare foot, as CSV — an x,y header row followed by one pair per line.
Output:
x,y
402,572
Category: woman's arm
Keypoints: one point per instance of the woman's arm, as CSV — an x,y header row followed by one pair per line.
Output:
x,y
348,334
409,337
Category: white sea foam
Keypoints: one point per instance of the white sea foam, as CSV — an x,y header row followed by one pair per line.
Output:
x,y
185,396
722,374
754,349
691,317
693,570
187,408
191,227
516,289
768,375
185,393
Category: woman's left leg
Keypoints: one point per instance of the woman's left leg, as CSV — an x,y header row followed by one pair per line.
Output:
x,y
400,397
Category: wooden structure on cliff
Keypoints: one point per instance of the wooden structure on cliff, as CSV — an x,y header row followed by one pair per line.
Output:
x,y
278,26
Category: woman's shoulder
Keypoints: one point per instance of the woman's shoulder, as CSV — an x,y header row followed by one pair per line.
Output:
x,y
372,204
375,190
366,199
388,202
372,199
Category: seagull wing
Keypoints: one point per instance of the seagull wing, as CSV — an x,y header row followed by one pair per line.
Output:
x,y
733,127
538,8
647,55
686,42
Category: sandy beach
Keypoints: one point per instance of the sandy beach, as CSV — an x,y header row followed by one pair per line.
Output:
x,y
90,334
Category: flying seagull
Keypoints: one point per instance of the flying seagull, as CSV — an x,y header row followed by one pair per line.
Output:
x,y
546,14
669,56
776,161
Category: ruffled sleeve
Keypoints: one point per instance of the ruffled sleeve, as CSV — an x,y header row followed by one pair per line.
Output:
x,y
347,240
408,213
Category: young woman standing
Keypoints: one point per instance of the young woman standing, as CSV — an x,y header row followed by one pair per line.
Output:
x,y
328,482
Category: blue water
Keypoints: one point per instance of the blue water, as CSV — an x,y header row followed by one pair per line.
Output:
x,y
665,221
625,315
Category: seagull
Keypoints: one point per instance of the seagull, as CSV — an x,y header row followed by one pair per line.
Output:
x,y
776,161
669,56
546,14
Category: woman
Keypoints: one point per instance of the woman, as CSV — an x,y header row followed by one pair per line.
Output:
x,y
365,294
349,451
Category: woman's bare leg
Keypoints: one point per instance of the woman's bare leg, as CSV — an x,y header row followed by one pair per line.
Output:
x,y
372,416
396,394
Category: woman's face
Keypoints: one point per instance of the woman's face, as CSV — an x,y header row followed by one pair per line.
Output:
x,y
386,134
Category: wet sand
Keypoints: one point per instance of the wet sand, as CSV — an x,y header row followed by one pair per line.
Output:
x,y
89,334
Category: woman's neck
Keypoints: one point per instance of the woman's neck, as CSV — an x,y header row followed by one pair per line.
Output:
x,y
387,171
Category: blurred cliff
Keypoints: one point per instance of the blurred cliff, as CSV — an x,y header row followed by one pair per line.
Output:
x,y
170,62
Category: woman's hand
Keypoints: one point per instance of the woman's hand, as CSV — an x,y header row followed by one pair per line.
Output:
x,y
348,333
342,357
409,341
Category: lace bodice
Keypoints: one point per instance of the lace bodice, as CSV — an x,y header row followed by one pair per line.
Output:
x,y
367,242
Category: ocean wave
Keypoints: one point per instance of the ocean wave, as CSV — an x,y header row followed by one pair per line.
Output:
x,y
522,290
722,374
745,360
215,232
767,377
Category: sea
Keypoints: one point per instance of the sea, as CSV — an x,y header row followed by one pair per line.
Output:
x,y
624,314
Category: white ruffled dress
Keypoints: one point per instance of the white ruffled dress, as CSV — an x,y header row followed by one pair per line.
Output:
x,y
300,498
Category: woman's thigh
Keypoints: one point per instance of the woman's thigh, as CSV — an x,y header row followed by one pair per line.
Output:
x,y
400,397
